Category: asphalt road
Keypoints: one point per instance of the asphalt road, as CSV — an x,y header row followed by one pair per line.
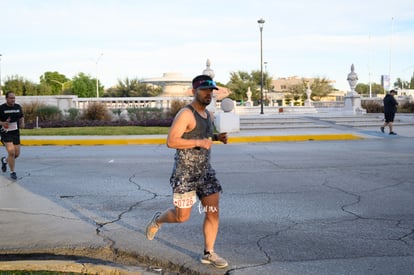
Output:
x,y
311,207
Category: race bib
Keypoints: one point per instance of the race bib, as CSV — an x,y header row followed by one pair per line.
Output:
x,y
186,200
12,126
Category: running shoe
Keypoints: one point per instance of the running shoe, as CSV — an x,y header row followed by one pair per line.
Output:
x,y
392,133
213,258
3,164
153,227
382,129
13,175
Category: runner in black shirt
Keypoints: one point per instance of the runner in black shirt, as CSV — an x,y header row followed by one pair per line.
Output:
x,y
11,120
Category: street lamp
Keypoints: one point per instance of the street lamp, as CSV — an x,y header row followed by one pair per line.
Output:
x,y
265,80
390,86
97,86
261,22
60,83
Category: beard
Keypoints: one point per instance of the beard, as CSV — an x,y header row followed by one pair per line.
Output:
x,y
203,100
206,101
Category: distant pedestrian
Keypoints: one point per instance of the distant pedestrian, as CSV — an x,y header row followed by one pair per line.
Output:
x,y
191,134
390,108
11,120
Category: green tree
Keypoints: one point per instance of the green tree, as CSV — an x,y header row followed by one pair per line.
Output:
x,y
56,81
402,83
44,89
149,90
133,88
84,86
20,86
296,92
239,83
412,82
363,89
377,88
321,87
267,83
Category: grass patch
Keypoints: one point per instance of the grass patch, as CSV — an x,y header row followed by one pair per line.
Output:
x,y
96,131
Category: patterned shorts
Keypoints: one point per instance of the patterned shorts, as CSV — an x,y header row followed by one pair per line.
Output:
x,y
192,172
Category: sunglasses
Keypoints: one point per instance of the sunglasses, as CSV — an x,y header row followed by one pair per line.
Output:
x,y
205,83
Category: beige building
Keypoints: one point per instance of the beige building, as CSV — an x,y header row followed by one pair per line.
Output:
x,y
174,84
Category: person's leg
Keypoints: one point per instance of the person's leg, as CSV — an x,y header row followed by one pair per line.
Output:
x,y
16,155
387,119
210,227
172,215
11,154
211,220
382,128
16,151
391,122
385,123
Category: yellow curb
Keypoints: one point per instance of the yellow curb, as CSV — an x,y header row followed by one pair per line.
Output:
x,y
294,138
157,141
89,142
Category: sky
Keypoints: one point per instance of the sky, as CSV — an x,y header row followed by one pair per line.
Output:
x,y
118,39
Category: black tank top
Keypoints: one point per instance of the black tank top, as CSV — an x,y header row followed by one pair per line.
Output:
x,y
203,128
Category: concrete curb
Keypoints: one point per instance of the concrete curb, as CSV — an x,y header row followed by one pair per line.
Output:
x,y
70,266
70,141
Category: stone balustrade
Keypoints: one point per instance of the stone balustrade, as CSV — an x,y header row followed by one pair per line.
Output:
x,y
66,102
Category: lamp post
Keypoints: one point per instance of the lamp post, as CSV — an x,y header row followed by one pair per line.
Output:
x,y
60,83
97,86
265,80
261,22
390,86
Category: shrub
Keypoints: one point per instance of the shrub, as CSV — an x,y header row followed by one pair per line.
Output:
x,y
143,114
29,111
117,112
73,114
96,111
377,107
176,105
92,123
372,106
48,113
407,107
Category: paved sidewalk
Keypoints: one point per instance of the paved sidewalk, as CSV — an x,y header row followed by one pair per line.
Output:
x,y
292,204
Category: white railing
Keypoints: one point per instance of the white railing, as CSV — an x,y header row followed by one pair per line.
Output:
x,y
65,103
130,102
